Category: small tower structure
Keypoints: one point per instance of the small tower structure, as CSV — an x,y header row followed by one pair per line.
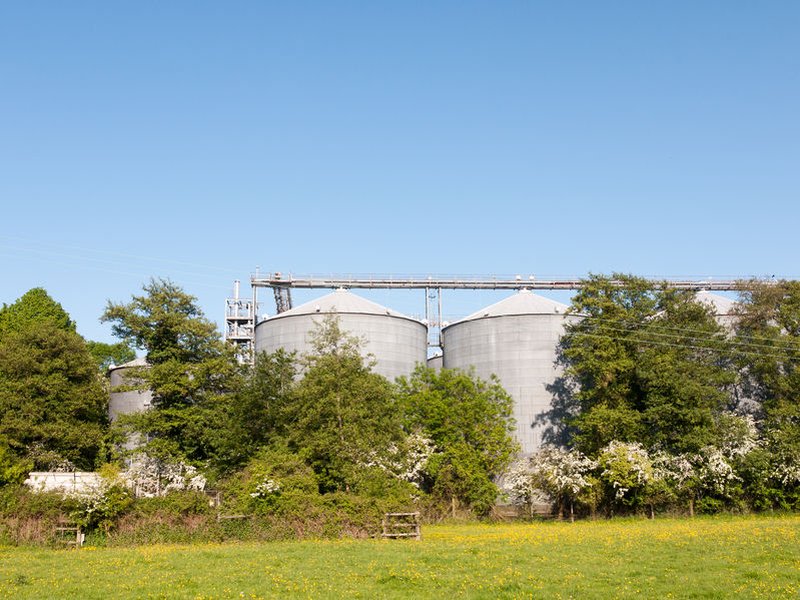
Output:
x,y
240,319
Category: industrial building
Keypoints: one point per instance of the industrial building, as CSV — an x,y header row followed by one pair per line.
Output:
x,y
397,342
125,397
723,307
515,339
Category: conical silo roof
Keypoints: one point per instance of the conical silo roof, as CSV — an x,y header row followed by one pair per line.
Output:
x,y
343,302
139,361
523,302
721,305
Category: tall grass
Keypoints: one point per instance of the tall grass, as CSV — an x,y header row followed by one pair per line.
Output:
x,y
720,557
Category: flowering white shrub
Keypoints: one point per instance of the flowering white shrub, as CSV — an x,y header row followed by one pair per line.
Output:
x,y
739,435
95,503
714,470
787,471
678,469
522,486
150,477
407,461
626,466
418,451
552,472
266,488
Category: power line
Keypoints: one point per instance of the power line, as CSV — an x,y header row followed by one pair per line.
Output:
x,y
717,337
691,330
720,350
168,261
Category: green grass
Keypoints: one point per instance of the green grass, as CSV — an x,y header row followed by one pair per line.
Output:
x,y
700,558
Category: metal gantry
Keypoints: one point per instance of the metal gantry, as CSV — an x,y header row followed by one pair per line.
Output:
x,y
433,285
462,282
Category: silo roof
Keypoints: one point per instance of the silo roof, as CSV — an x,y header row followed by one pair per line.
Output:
x,y
523,302
721,304
340,301
136,362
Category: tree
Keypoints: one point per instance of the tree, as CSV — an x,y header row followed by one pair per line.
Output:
x,y
189,367
13,469
53,405
247,421
768,336
600,352
768,339
341,417
469,421
563,475
687,375
627,470
649,365
35,306
105,355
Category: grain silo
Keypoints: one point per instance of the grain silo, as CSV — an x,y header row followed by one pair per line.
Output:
x,y
127,401
515,339
723,307
397,342
436,362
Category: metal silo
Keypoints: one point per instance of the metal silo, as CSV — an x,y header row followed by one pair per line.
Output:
x,y
396,341
436,362
129,401
515,339
723,307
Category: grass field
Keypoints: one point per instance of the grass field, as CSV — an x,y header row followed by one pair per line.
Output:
x,y
722,557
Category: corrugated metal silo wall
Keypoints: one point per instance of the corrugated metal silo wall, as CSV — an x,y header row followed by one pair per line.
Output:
x,y
127,402
398,344
521,351
436,362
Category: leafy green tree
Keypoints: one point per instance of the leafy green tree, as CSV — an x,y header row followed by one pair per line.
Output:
x,y
52,402
600,353
469,421
246,422
13,469
35,306
768,338
341,417
768,333
687,375
648,365
105,355
189,367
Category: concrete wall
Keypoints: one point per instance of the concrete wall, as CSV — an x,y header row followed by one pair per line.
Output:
x,y
68,483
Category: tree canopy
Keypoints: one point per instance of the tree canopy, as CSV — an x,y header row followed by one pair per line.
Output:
x,y
106,355
646,365
768,338
469,421
341,415
189,366
34,306
52,402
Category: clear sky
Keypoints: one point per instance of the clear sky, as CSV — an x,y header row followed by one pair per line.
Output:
x,y
198,140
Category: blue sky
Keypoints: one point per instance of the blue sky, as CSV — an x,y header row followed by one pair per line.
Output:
x,y
198,140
